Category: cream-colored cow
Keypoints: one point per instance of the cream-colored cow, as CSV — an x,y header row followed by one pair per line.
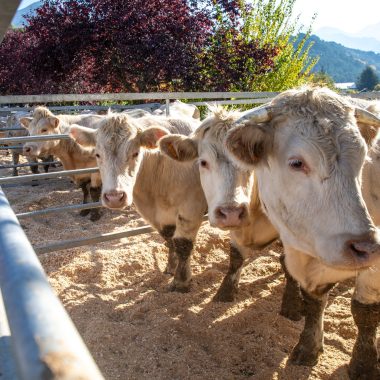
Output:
x,y
71,154
166,194
308,148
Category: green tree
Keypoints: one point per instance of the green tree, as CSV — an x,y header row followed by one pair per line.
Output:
x,y
272,22
368,79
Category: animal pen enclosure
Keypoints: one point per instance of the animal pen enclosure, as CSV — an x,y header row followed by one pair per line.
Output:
x,y
145,303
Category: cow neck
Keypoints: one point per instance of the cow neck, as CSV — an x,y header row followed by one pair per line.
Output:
x,y
71,154
259,231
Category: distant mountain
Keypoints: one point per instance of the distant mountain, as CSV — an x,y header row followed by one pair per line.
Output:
x,y
360,40
18,19
370,30
341,63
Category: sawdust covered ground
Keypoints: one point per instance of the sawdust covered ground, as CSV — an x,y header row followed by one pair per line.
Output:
x,y
118,297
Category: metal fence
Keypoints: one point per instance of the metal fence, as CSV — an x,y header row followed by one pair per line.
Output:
x,y
206,98
37,338
33,324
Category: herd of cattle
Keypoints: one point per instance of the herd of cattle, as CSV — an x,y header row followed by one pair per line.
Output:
x,y
304,168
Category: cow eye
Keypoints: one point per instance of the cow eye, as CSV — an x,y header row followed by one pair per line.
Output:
x,y
43,130
298,164
204,164
97,155
135,155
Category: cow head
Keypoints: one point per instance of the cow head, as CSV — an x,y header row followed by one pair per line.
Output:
x,y
227,187
119,144
308,154
43,122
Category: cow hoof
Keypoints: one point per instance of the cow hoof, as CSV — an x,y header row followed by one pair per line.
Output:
x,y
180,288
305,355
223,295
95,216
358,370
84,212
293,315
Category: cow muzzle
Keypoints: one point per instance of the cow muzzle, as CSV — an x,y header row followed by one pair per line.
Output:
x,y
114,199
363,250
30,150
230,216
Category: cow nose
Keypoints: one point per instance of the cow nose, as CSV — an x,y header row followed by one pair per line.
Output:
x,y
230,215
115,199
364,248
27,150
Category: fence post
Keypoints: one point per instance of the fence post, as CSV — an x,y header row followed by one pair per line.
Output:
x,y
44,339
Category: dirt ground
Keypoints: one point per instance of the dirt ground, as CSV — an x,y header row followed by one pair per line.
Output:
x,y
119,299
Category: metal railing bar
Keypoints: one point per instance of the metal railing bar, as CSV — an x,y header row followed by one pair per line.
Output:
x,y
29,164
59,209
10,147
8,368
65,244
45,342
6,140
231,102
49,98
62,173
11,129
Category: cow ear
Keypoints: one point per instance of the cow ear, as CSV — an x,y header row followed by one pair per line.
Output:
x,y
25,121
83,135
368,132
179,147
150,136
53,121
250,143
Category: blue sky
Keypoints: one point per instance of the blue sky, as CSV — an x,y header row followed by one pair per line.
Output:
x,y
348,15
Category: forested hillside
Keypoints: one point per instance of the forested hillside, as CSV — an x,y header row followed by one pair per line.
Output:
x,y
341,63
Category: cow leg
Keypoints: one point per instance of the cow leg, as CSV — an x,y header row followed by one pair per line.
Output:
x,y
364,364
229,287
84,186
95,196
15,160
46,159
292,302
182,276
310,344
167,233
365,308
34,168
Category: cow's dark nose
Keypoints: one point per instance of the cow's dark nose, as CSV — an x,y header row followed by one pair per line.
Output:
x,y
115,199
364,248
230,215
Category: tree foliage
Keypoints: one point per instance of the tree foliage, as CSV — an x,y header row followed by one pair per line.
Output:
x,y
368,79
84,46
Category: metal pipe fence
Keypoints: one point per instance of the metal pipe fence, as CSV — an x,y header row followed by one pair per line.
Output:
x,y
54,210
235,98
43,163
59,174
44,340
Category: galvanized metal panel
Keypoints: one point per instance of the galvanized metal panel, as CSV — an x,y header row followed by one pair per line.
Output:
x,y
53,210
45,341
8,370
23,139
62,173
49,98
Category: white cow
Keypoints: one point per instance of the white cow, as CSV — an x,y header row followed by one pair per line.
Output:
x,y
167,195
308,154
